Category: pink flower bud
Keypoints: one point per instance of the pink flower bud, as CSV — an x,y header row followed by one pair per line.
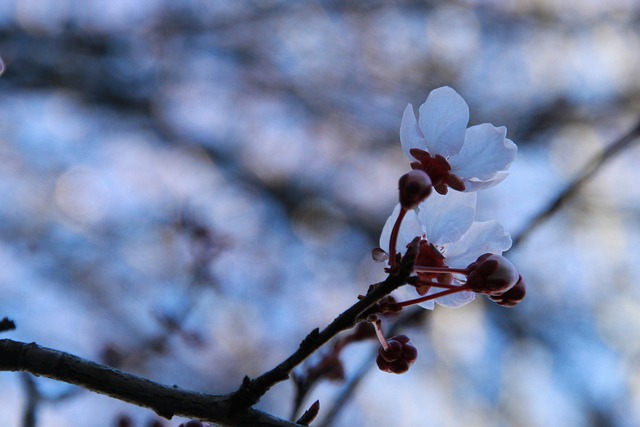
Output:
x,y
491,274
399,355
414,186
513,296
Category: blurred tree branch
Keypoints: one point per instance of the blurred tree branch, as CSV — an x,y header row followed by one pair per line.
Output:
x,y
251,390
165,401
574,186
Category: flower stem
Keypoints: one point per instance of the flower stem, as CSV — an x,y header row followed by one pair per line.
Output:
x,y
394,239
380,335
427,269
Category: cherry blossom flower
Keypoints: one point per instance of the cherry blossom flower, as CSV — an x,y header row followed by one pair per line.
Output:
x,y
439,143
450,238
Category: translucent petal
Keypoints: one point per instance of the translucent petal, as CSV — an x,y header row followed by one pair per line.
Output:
x,y
475,185
410,134
407,292
456,300
482,237
447,218
443,121
485,152
429,305
451,301
409,230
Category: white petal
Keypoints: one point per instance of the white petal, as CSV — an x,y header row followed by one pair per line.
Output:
x,y
447,218
456,300
482,237
485,152
443,120
475,185
409,230
429,305
451,301
407,292
410,134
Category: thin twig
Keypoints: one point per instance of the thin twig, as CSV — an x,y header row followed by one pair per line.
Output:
x,y
574,186
7,324
30,416
252,390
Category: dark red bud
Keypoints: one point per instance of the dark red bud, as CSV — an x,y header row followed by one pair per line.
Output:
x,y
414,187
400,355
491,274
513,296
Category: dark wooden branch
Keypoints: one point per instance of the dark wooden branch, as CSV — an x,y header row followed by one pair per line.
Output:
x,y
252,390
165,401
7,324
228,410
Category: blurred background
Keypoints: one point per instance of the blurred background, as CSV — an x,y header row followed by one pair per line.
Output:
x,y
188,188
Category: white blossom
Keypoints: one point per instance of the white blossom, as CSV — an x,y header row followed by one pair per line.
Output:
x,y
447,222
478,156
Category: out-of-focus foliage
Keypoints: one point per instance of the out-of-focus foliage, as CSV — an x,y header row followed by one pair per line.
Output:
x,y
187,188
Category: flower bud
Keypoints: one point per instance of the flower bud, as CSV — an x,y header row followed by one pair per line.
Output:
x,y
491,274
399,355
513,296
414,187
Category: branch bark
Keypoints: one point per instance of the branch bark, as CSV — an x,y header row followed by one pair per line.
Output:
x,y
165,401
252,390
234,409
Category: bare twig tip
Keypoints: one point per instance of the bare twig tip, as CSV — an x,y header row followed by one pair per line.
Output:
x,y
7,324
310,414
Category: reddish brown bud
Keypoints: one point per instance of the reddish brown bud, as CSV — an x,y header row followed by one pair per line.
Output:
x,y
491,274
399,355
414,186
388,305
513,296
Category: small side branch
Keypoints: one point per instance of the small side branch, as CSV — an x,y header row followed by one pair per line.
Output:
x,y
570,190
252,390
6,324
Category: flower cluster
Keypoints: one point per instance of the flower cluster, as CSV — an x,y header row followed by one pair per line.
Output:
x,y
458,256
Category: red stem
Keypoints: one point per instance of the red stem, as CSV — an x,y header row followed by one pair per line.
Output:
x,y
427,269
394,239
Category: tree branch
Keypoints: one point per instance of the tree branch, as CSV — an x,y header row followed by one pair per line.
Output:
x,y
229,410
165,401
574,186
252,390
